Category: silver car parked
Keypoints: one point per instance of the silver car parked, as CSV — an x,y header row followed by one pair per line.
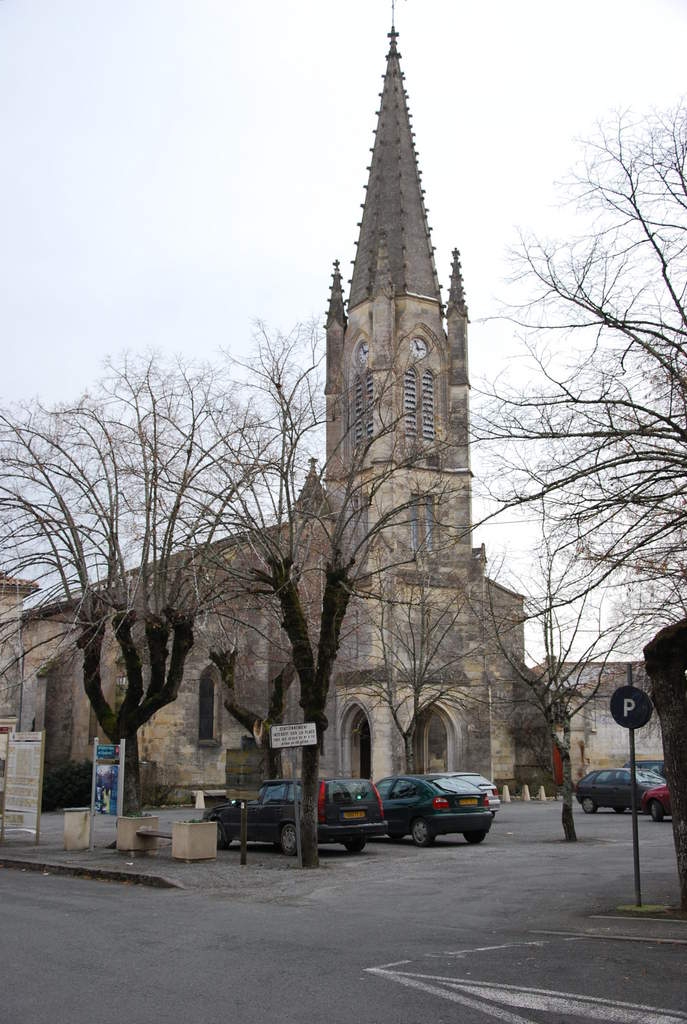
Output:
x,y
485,785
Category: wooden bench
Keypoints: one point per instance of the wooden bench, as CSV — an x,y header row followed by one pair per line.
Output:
x,y
153,833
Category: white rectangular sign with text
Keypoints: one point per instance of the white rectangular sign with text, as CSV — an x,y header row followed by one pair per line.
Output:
x,y
299,734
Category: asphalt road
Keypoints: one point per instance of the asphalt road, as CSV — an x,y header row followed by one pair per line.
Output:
x,y
523,928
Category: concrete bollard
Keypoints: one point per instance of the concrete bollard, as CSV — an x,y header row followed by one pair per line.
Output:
x,y
200,800
505,795
542,793
526,792
77,828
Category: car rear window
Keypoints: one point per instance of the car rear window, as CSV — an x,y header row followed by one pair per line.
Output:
x,y
348,791
476,780
454,784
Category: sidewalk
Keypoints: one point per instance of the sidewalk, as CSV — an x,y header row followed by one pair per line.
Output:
x,y
19,851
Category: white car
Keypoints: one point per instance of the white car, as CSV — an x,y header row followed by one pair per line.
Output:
x,y
484,784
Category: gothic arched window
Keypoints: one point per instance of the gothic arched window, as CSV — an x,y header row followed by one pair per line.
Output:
x,y
428,405
431,743
206,706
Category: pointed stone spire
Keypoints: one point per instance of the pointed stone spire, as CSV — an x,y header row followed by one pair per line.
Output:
x,y
456,298
336,313
394,202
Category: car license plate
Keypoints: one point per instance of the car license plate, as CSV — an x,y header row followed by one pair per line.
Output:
x,y
354,814
469,800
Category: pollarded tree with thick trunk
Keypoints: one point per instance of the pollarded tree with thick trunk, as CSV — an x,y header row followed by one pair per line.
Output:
x,y
665,658
305,547
113,504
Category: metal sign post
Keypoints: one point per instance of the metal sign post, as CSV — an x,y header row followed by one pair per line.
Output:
x,y
296,807
632,709
295,735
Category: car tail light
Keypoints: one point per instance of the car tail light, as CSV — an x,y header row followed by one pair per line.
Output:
x,y
440,803
320,804
379,801
486,800
494,791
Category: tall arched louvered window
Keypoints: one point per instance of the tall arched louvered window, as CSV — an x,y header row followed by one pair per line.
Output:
x,y
410,402
363,407
358,411
206,706
369,404
428,405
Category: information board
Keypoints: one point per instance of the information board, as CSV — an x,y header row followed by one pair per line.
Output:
x,y
23,783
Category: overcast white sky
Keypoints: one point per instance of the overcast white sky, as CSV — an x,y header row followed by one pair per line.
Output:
x,y
173,169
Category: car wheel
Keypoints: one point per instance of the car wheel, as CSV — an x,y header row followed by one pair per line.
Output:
x,y
287,840
656,810
420,833
588,805
474,837
355,845
619,810
222,842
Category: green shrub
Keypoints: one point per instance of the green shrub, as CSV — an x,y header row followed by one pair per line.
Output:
x,y
67,785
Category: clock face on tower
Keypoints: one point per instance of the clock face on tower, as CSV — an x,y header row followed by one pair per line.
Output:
x,y
418,348
362,353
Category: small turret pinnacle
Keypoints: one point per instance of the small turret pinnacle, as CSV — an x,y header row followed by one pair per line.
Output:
x,y
456,298
336,313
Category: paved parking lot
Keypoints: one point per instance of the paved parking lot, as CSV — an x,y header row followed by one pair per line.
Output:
x,y
523,929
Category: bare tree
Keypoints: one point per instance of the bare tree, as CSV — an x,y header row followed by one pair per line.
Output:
x,y
573,640
600,425
416,630
113,504
600,431
305,536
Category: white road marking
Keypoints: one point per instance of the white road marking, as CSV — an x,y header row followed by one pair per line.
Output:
x,y
481,949
483,995
607,937
413,982
638,920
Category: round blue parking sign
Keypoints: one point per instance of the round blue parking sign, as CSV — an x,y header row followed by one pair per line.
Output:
x,y
631,707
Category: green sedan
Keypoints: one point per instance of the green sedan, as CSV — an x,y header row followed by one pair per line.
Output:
x,y
427,806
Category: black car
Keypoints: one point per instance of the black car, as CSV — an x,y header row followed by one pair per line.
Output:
x,y
610,787
427,806
349,811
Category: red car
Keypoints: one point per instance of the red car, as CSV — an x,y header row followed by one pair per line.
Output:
x,y
656,802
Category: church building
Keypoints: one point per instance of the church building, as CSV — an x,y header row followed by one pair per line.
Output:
x,y
419,681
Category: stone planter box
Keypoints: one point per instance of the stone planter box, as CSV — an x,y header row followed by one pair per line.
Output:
x,y
194,840
77,828
129,842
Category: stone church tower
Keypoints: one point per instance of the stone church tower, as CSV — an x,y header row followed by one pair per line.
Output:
x,y
397,370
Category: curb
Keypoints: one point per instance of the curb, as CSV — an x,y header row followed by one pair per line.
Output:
x,y
100,874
